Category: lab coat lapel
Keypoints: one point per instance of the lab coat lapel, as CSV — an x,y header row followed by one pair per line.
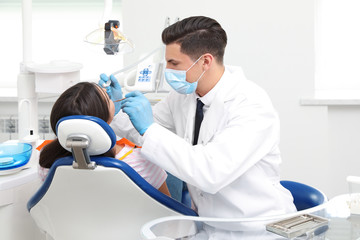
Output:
x,y
189,108
211,121
217,112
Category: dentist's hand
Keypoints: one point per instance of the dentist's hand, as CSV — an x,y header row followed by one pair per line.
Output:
x,y
138,107
114,90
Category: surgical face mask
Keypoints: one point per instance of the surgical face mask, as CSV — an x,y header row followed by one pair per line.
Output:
x,y
177,80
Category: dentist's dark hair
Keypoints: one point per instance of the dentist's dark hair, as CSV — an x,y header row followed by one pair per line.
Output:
x,y
197,35
84,98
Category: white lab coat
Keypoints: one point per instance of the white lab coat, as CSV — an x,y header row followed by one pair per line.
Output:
x,y
233,172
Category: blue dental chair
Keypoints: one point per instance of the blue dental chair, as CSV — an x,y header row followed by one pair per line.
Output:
x,y
305,196
88,196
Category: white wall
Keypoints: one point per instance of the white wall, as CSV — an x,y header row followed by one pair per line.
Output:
x,y
274,43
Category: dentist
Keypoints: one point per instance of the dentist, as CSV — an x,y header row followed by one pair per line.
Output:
x,y
231,165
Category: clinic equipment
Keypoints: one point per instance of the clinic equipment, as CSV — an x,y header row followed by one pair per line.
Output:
x,y
18,182
54,77
108,36
57,76
308,201
146,74
354,192
306,224
110,39
95,197
13,157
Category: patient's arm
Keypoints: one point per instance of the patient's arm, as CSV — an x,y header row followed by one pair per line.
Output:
x,y
164,189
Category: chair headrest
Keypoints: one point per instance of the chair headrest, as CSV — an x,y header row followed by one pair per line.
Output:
x,y
102,137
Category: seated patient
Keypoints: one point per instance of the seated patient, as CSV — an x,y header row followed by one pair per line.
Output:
x,y
87,98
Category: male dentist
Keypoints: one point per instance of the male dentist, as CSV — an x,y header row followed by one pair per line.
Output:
x,y
231,164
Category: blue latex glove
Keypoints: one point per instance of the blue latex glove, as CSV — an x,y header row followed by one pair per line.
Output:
x,y
114,90
138,107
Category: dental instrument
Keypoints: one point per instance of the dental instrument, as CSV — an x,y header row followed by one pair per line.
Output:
x,y
119,100
306,224
105,85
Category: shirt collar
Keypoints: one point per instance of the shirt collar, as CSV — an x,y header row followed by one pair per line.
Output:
x,y
208,98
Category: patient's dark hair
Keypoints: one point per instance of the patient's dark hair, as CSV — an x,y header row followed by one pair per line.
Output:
x,y
84,98
197,35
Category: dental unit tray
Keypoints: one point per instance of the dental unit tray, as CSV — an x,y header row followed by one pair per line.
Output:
x,y
299,225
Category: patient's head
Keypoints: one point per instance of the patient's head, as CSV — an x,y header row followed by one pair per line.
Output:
x,y
84,98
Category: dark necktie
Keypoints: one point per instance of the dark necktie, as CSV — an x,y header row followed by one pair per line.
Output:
x,y
198,119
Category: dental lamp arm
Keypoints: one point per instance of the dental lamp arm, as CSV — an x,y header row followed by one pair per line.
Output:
x,y
106,13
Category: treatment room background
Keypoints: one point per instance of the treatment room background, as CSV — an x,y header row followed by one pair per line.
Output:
x,y
275,43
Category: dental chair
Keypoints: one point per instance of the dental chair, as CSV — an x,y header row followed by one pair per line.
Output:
x,y
305,196
307,199
88,196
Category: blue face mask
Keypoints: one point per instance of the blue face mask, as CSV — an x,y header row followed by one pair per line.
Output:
x,y
177,80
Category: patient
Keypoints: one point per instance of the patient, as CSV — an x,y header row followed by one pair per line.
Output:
x,y
87,98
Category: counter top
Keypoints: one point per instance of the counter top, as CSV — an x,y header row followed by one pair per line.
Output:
x,y
342,226
329,102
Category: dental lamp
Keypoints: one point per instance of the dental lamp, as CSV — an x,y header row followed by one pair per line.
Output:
x,y
57,76
111,40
